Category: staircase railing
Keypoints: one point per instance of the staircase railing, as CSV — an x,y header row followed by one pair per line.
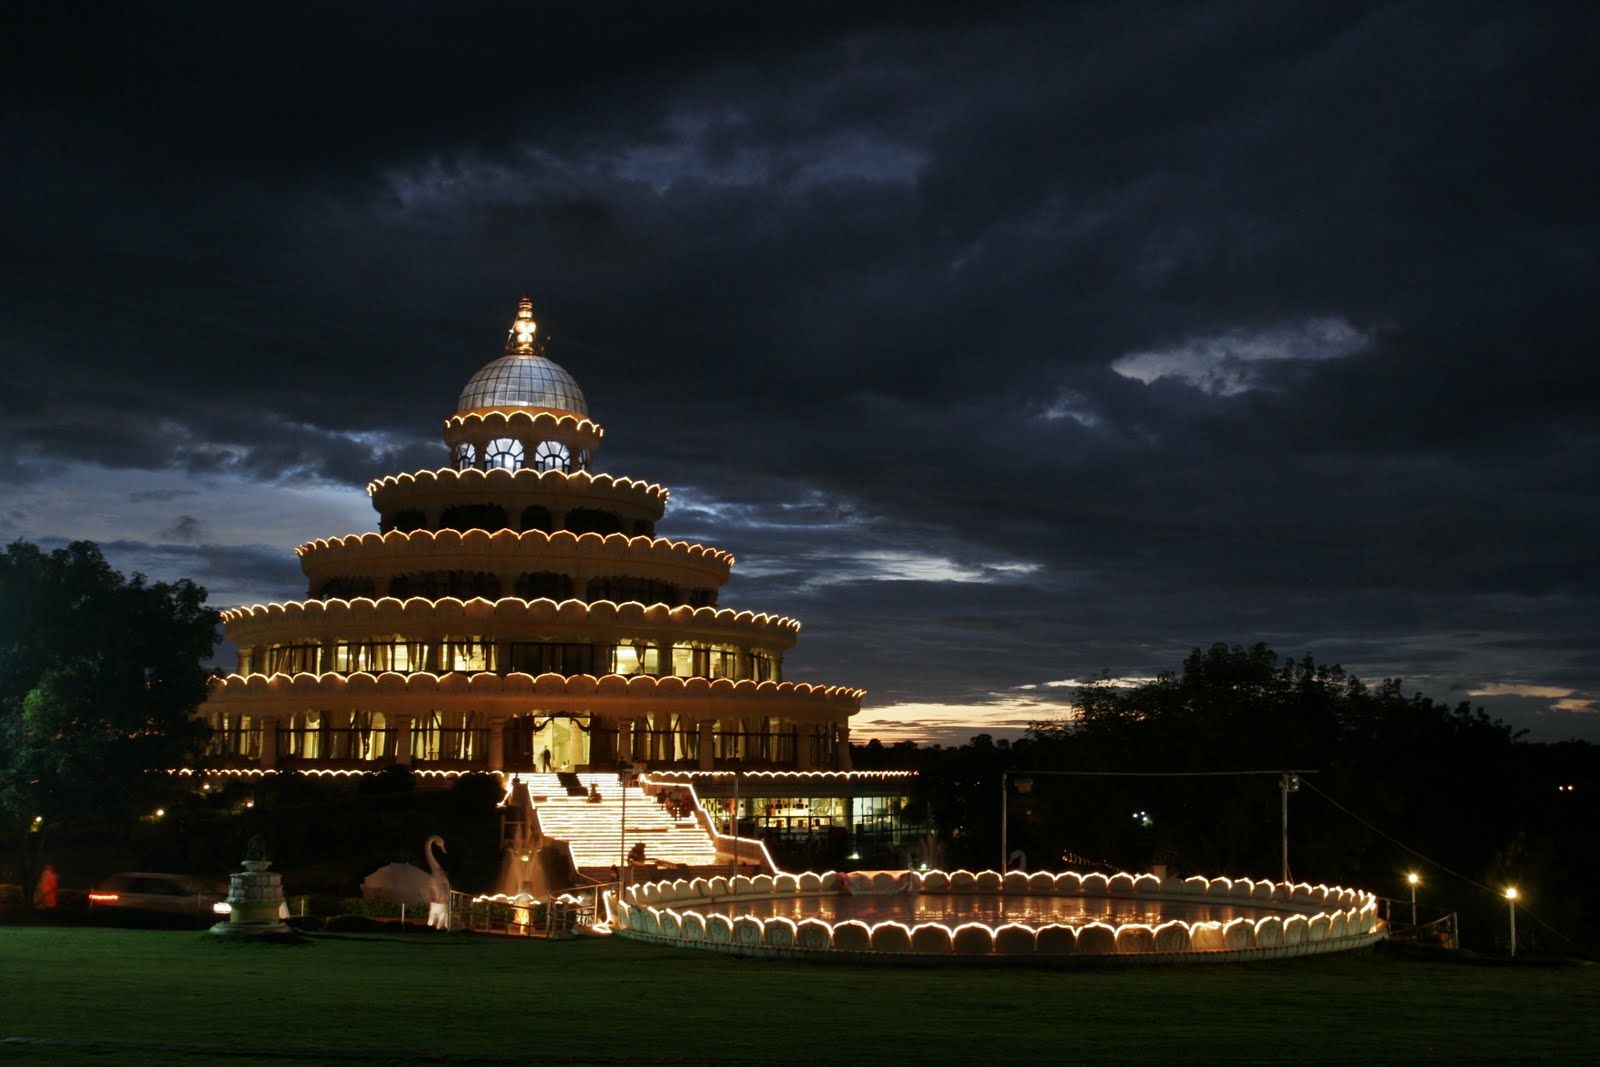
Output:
x,y
737,849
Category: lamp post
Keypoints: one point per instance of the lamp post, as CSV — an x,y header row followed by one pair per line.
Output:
x,y
1413,880
1005,797
622,829
1511,904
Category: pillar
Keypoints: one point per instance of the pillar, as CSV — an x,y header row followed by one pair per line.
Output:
x,y
402,740
624,740
497,744
708,758
269,743
844,747
804,740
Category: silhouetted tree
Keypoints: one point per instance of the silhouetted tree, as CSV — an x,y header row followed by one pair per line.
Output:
x,y
99,678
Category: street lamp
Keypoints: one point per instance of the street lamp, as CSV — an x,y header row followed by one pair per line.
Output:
x,y
1413,880
1511,904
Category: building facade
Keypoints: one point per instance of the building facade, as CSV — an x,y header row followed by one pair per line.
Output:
x,y
515,611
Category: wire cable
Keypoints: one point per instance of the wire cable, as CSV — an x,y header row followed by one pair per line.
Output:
x,y
1435,863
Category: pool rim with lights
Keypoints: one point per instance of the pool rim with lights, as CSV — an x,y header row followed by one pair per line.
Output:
x,y
1295,919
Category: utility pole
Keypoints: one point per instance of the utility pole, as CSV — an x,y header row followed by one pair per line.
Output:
x,y
1289,781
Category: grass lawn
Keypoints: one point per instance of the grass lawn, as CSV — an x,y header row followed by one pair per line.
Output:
x,y
376,998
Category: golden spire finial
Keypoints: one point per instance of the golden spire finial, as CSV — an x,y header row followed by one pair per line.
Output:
x,y
520,340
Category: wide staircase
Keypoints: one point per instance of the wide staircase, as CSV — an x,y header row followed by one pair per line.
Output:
x,y
567,809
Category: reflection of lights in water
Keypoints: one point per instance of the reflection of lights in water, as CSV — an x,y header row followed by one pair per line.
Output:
x,y
992,909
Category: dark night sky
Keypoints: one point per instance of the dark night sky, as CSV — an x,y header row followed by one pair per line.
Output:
x,y
1002,350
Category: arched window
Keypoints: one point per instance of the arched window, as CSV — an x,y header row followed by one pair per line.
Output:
x,y
592,520
369,736
462,584
234,736
447,736
404,521
489,517
622,588
552,456
304,736
346,588
503,452
466,456
546,584
535,517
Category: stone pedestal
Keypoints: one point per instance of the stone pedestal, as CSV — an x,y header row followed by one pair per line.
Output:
x,y
255,897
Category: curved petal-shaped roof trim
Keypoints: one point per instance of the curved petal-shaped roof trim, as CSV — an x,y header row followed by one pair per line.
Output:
x,y
490,684
538,610
523,421
523,478
513,541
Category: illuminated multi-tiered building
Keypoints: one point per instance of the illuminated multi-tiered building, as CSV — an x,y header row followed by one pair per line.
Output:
x,y
515,612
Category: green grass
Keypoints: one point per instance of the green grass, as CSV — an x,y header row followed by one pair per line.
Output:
x,y
613,1001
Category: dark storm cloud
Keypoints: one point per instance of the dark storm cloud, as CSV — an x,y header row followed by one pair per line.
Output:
x,y
1002,349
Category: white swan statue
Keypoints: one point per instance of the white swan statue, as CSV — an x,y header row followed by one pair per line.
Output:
x,y
439,887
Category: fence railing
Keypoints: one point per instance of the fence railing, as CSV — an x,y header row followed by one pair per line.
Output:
x,y
525,916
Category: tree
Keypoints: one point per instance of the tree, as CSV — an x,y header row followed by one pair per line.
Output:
x,y
1442,777
100,676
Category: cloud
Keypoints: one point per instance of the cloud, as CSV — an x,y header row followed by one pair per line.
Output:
x,y
1519,689
952,724
1234,362
1001,346
185,528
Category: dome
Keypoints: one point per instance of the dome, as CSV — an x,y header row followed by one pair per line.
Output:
x,y
523,377
523,381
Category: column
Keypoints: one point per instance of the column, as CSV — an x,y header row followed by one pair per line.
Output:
x,y
844,747
269,743
624,740
497,744
402,740
804,735
642,739
707,741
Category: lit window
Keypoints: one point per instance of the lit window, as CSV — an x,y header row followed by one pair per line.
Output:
x,y
466,456
503,452
551,456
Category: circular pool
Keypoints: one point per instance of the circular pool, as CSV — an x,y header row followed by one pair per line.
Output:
x,y
909,916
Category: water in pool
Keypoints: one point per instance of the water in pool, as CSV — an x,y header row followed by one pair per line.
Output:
x,y
992,909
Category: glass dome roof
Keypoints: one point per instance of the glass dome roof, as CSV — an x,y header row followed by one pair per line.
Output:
x,y
520,380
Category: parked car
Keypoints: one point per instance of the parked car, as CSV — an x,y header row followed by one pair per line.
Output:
x,y
144,891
